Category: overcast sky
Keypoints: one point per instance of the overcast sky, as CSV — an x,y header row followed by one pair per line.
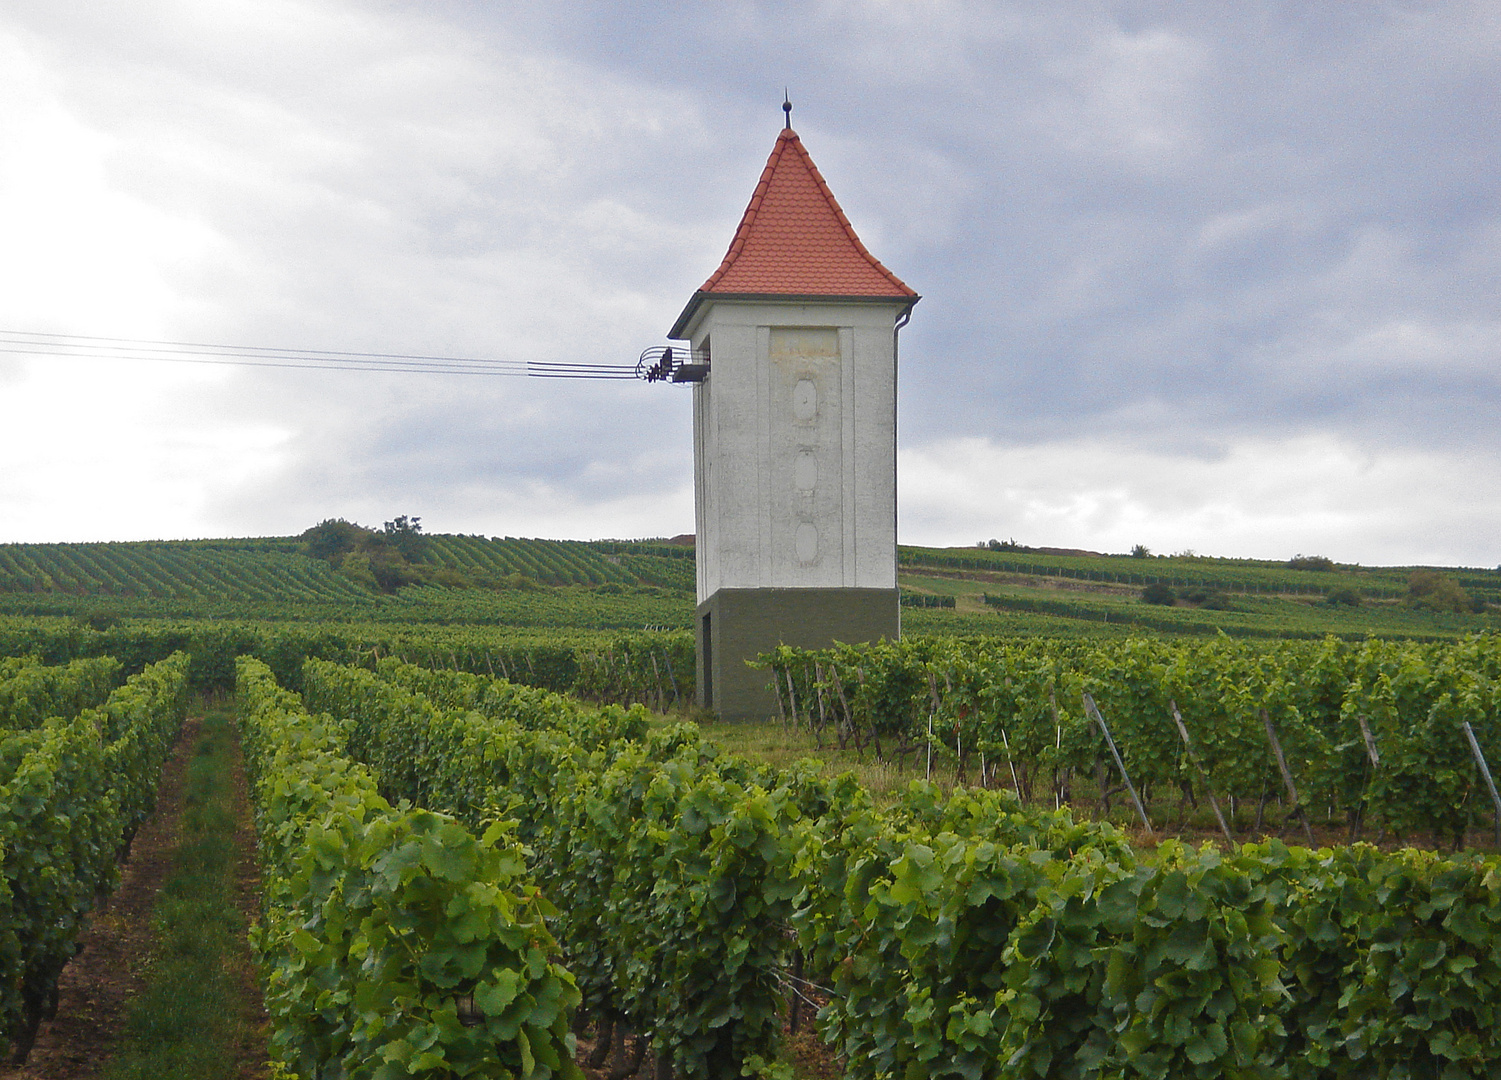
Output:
x,y
1213,276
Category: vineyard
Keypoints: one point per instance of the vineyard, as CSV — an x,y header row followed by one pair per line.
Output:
x,y
483,845
696,899
541,585
280,570
1365,732
79,761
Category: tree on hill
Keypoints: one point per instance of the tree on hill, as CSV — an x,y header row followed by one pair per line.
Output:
x,y
384,560
334,537
405,535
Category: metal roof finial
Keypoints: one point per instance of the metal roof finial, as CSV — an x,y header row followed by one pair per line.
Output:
x,y
787,108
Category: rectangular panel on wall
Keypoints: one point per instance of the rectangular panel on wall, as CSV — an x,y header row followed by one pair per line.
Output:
x,y
805,471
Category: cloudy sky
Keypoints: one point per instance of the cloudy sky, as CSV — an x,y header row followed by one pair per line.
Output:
x,y
1207,276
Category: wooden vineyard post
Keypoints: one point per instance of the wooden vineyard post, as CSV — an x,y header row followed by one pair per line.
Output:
x,y
1370,742
1199,767
1015,782
932,689
677,695
1093,710
1375,759
1486,773
1057,747
1287,776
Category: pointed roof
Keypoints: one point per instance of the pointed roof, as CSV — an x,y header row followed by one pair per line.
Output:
x,y
794,241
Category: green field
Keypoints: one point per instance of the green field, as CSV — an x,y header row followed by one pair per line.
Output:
x,y
506,582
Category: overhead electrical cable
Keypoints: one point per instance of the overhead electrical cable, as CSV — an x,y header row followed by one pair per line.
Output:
x,y
82,346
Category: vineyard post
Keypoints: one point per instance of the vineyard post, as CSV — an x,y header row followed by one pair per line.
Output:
x,y
1486,773
1370,741
1057,747
792,702
657,676
1287,776
677,694
1375,758
1093,710
1203,776
776,684
933,689
823,717
1017,783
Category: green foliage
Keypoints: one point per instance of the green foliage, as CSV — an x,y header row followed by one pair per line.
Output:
x,y
335,564
71,793
31,692
1428,590
1345,596
1158,593
396,943
995,707
405,536
1310,562
334,537
958,934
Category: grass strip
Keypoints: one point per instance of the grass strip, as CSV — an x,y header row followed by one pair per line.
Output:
x,y
189,1016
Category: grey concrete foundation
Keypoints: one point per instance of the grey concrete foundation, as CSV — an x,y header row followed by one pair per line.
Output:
x,y
734,625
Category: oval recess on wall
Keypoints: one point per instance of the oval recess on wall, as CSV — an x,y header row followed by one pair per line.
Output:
x,y
805,471
804,400
807,542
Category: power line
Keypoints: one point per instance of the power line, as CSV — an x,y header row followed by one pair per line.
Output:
x,y
83,346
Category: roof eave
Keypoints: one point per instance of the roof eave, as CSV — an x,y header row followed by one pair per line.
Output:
x,y
682,328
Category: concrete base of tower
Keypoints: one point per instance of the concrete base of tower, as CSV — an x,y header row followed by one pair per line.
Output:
x,y
735,625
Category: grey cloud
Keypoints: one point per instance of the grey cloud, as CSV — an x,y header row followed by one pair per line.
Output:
x,y
1176,226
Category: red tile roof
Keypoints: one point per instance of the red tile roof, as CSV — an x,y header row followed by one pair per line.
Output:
x,y
795,241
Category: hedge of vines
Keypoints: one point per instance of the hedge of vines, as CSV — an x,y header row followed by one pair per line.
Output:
x,y
394,941
1011,713
73,790
650,667
959,935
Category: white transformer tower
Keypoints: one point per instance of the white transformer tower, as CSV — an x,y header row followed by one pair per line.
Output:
x,y
793,348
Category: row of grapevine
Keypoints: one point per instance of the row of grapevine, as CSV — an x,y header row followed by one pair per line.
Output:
x,y
1015,710
1213,574
72,793
394,942
31,692
952,936
669,866
652,668
170,571
554,562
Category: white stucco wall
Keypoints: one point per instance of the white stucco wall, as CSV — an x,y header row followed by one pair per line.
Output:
x,y
794,434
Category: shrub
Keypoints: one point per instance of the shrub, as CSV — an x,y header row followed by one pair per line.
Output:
x,y
1213,599
1158,593
1310,562
1345,596
1428,590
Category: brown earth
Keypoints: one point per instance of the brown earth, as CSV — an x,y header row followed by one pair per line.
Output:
x,y
116,948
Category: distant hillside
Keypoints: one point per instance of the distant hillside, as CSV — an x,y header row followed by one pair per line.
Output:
x,y
1032,591
452,578
366,575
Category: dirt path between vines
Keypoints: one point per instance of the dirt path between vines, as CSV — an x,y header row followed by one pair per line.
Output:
x,y
97,986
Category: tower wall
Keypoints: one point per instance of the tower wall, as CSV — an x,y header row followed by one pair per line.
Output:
x,y
795,485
